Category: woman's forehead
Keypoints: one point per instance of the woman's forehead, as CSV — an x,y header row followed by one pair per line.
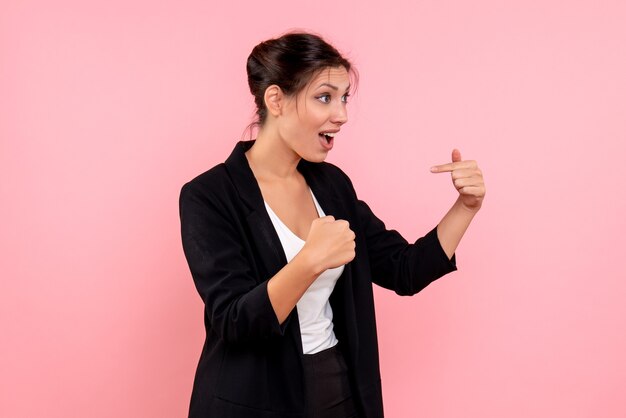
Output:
x,y
335,76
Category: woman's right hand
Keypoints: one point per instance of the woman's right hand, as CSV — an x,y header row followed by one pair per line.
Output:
x,y
330,243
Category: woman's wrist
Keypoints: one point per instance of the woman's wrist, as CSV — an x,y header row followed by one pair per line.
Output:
x,y
470,209
308,261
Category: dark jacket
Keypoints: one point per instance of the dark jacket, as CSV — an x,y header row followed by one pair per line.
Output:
x,y
250,365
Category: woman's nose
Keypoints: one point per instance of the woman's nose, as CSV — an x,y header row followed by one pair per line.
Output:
x,y
340,114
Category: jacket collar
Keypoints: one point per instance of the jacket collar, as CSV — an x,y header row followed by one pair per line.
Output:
x,y
248,187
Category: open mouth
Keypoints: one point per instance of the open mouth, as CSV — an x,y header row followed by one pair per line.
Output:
x,y
327,136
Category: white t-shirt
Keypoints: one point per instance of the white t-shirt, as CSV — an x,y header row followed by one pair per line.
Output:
x,y
314,311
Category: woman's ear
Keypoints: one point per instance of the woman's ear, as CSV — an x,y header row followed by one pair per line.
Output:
x,y
274,100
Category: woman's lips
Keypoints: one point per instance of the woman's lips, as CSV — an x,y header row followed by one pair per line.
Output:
x,y
327,145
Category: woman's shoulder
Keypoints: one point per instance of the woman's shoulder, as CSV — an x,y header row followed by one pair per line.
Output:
x,y
206,183
213,176
335,173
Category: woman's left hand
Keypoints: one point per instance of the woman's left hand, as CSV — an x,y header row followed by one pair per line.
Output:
x,y
467,179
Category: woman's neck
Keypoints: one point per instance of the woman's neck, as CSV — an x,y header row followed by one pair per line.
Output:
x,y
272,160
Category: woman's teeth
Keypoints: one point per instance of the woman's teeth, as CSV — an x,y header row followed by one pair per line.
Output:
x,y
328,136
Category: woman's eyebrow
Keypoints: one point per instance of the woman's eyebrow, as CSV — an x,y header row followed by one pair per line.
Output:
x,y
332,87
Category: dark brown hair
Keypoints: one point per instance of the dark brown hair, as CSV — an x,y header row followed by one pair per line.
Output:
x,y
290,62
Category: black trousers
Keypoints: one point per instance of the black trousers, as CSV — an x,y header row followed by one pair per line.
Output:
x,y
327,385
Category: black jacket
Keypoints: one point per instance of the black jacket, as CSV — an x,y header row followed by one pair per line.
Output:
x,y
250,365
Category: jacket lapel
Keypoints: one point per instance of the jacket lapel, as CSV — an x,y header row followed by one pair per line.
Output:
x,y
268,243
342,302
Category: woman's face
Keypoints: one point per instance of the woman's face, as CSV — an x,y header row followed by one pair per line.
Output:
x,y
321,108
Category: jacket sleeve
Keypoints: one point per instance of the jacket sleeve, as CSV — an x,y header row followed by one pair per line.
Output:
x,y
236,304
396,264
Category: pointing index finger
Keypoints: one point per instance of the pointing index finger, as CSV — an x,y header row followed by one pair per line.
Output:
x,y
450,166
443,168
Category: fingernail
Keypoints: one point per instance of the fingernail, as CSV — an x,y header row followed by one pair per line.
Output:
x,y
433,169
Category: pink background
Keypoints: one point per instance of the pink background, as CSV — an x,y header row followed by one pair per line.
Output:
x,y
107,108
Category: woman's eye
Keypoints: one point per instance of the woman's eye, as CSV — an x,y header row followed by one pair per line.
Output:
x,y
325,98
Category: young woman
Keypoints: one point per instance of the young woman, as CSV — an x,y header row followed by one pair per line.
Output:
x,y
284,254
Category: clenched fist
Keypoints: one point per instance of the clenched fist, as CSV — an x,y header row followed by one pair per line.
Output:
x,y
330,242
